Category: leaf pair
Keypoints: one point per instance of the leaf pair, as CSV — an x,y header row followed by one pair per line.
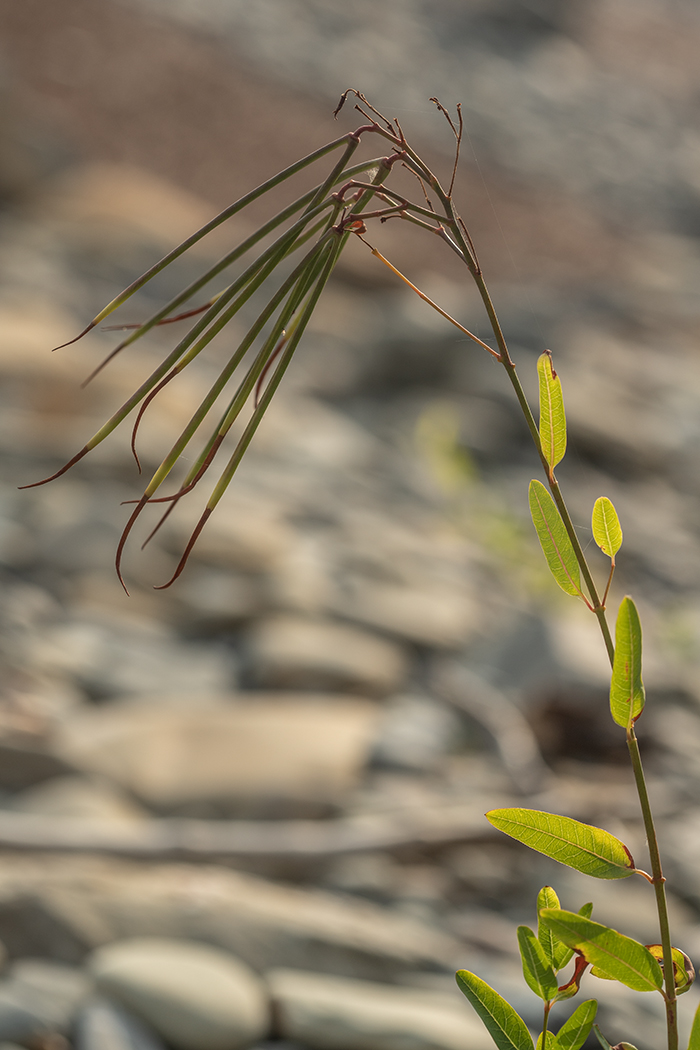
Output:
x,y
556,543
558,954
507,1028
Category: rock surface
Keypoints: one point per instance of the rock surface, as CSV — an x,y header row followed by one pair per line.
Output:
x,y
196,997
295,653
285,747
80,904
103,1025
330,1013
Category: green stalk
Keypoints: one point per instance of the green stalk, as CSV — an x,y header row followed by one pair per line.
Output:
x,y
545,1023
659,883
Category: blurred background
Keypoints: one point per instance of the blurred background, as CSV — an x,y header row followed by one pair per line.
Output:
x,y
288,755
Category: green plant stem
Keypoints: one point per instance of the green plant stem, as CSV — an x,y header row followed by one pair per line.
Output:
x,y
545,1023
659,884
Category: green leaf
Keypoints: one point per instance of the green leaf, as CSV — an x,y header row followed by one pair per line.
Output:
x,y
552,418
606,527
537,971
549,1042
547,898
590,850
627,961
554,539
504,1025
601,1038
694,1042
574,1032
563,954
626,688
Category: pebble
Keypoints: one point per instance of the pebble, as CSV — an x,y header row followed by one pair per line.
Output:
x,y
38,997
293,749
195,996
297,653
74,905
104,1025
332,1013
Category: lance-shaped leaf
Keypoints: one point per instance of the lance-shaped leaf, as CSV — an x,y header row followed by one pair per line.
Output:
x,y
504,1025
683,969
606,527
575,1031
624,959
552,418
626,688
581,846
547,898
562,955
537,971
554,539
694,1042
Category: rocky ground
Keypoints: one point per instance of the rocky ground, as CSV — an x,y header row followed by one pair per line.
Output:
x,y
249,809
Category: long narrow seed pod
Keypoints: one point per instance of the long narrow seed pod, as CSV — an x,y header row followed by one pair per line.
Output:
x,y
227,213
305,201
257,415
309,265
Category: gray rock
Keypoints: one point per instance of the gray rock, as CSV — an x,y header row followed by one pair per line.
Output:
x,y
195,996
108,657
297,653
425,613
38,997
91,798
308,749
75,904
102,1025
416,732
332,1013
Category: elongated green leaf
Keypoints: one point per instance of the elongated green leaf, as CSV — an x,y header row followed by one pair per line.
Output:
x,y
547,898
694,1042
606,527
581,846
626,688
563,954
627,961
554,539
552,418
574,1032
549,1042
601,1038
537,972
504,1025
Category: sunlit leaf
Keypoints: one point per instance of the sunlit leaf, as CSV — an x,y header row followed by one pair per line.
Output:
x,y
574,1032
563,954
683,969
538,974
694,1042
504,1025
552,418
549,1042
626,688
554,539
606,527
547,898
581,846
624,959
